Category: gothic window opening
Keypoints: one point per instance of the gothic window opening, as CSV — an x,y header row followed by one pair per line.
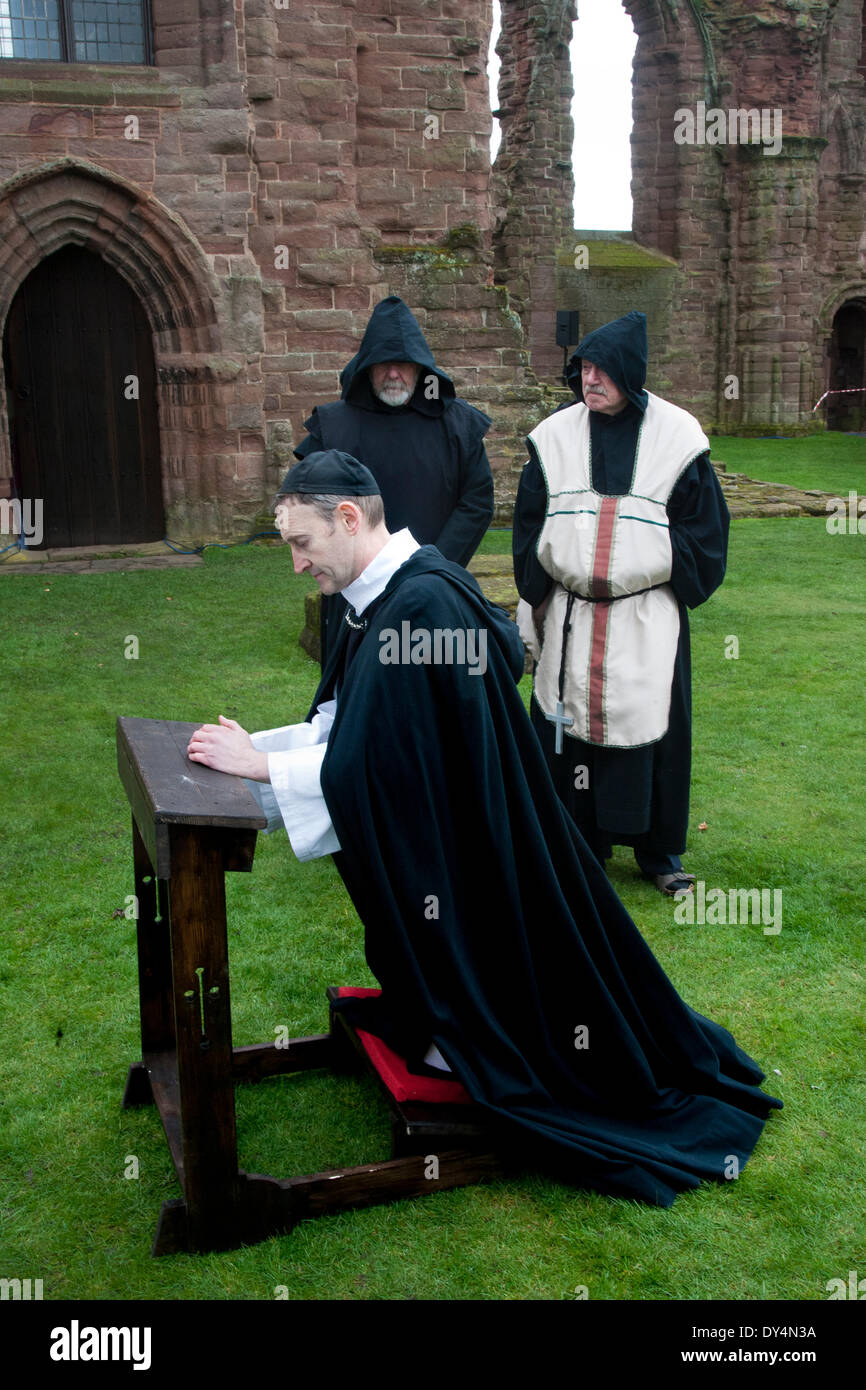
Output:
x,y
76,31
602,52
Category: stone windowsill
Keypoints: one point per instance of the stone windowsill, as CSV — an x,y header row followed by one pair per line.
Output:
x,y
88,84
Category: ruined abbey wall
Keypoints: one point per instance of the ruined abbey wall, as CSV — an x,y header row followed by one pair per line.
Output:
x,y
262,186
272,174
769,238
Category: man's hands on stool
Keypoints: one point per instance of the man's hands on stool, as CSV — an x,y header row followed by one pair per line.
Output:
x,y
228,748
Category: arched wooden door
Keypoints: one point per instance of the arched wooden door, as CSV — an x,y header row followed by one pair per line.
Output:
x,y
81,389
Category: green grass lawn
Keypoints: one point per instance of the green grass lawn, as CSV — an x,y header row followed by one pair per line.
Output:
x,y
831,462
778,779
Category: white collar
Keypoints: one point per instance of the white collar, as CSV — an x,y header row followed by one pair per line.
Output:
x,y
372,581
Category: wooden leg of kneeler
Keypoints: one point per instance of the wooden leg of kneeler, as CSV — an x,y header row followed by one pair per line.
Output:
x,y
204,1045
374,1183
272,1206
154,953
172,1230
266,1207
154,973
345,1059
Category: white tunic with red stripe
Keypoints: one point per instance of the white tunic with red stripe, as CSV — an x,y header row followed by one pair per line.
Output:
x,y
614,554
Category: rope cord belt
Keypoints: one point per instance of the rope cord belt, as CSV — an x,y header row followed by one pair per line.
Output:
x,y
614,598
566,629
561,719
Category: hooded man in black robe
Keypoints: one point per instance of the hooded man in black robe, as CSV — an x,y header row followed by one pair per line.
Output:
x,y
400,416
502,950
626,784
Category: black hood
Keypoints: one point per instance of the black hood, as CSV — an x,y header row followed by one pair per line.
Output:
x,y
620,349
394,335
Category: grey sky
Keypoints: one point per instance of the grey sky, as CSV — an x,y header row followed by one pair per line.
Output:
x,y
601,56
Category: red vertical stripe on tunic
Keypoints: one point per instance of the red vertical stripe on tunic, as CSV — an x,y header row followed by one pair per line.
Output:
x,y
600,613
603,545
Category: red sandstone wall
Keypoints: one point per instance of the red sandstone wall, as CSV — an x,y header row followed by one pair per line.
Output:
x,y
290,149
370,127
840,236
533,184
769,246
290,169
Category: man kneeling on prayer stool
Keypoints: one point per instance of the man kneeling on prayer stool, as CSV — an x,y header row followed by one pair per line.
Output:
x,y
529,982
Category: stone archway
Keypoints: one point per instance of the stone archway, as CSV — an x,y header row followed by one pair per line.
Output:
x,y
848,367
81,390
205,476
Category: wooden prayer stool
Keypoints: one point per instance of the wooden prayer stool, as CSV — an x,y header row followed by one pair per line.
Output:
x,y
190,826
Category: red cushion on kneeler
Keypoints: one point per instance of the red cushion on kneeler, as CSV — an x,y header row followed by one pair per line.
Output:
x,y
401,1082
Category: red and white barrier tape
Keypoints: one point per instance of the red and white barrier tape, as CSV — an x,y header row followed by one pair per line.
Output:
x,y
846,391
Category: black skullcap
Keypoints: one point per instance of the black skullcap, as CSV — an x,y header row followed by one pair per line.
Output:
x,y
330,472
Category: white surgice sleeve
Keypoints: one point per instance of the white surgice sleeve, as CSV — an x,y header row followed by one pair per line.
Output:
x,y
293,797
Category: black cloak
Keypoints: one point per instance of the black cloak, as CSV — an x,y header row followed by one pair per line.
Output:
x,y
427,456
634,796
492,929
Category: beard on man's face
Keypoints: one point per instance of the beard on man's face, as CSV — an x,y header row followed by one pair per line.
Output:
x,y
393,393
394,383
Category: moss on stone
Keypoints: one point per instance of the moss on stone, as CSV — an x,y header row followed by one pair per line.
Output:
x,y
16,89
614,254
466,234
456,251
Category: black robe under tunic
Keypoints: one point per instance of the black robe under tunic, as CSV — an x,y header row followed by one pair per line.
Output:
x,y
492,929
631,795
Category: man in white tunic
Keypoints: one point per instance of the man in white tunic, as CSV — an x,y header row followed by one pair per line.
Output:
x,y
619,526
